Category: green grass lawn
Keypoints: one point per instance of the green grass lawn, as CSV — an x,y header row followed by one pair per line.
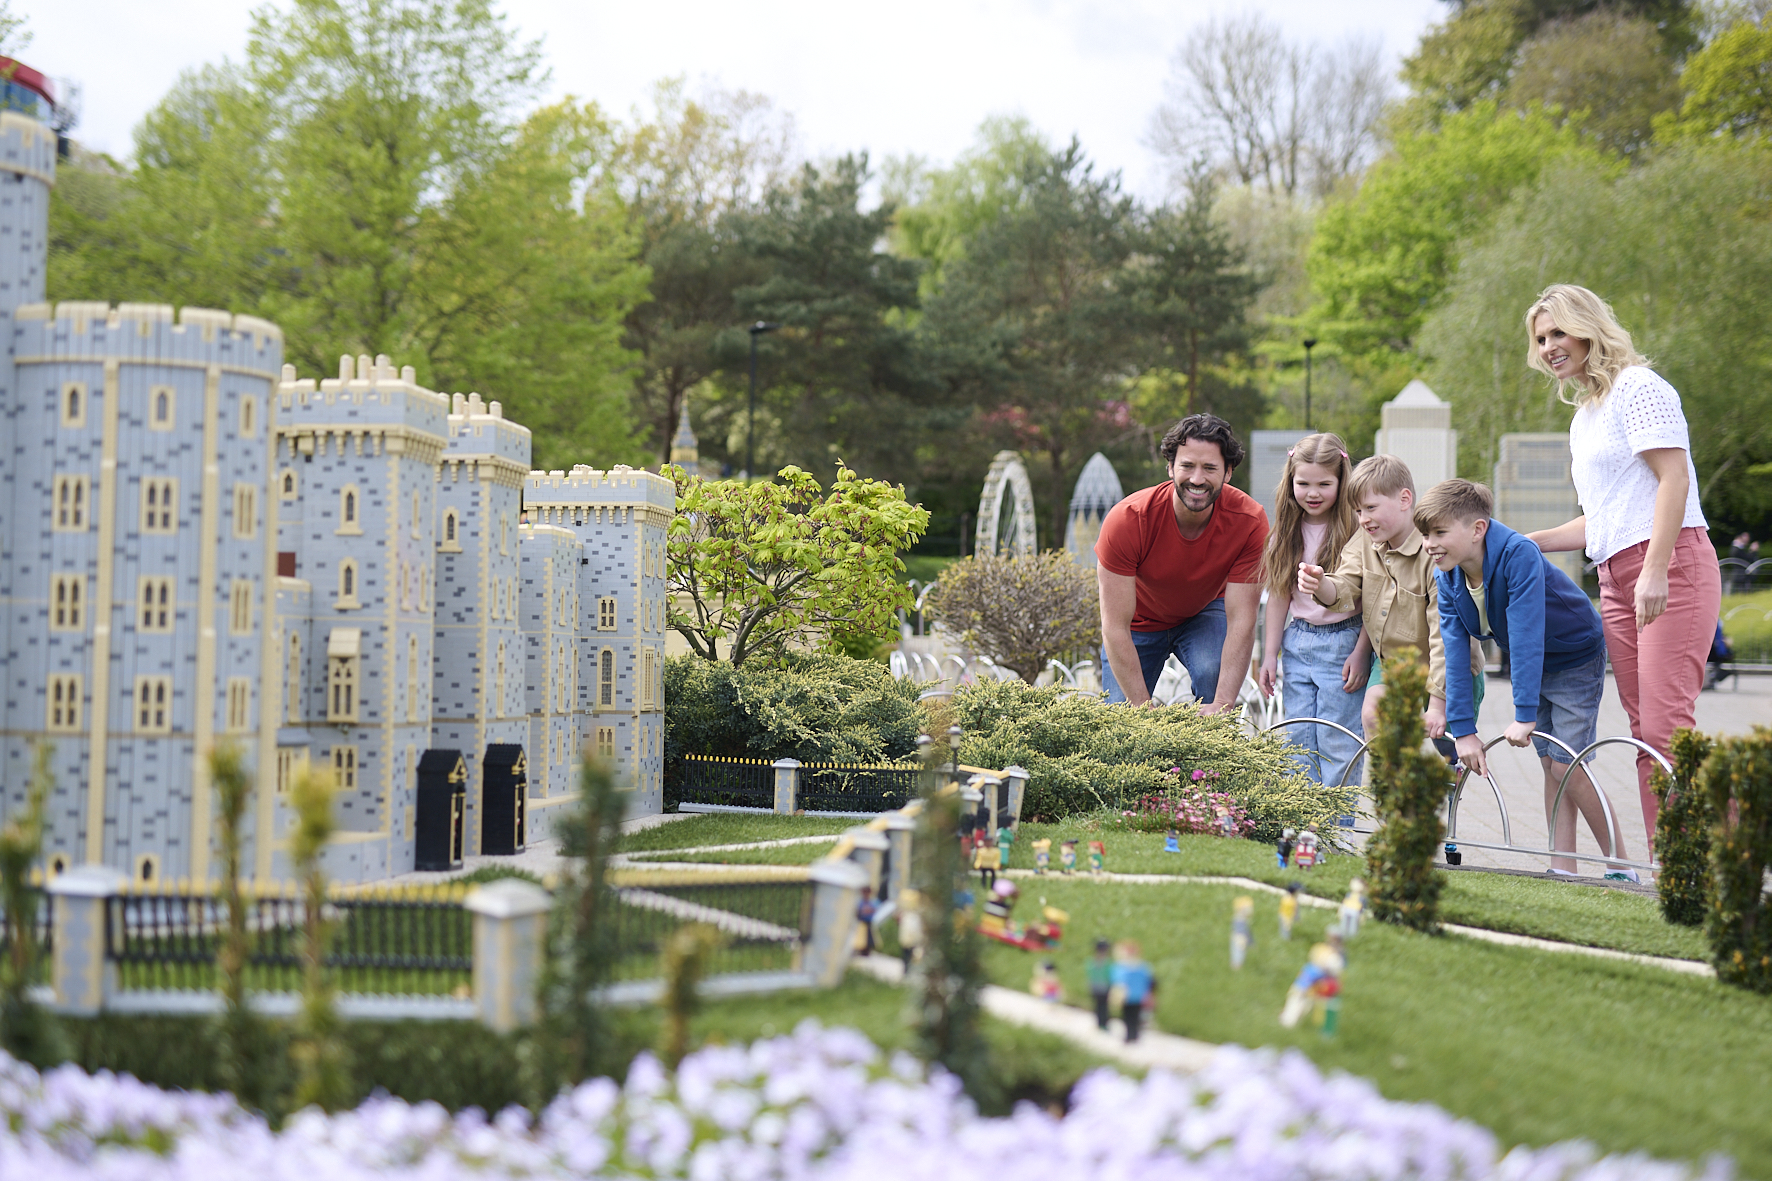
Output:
x,y
1749,630
780,855
1537,1046
925,568
727,828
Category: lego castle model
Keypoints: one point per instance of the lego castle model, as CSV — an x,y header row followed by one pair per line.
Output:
x,y
199,546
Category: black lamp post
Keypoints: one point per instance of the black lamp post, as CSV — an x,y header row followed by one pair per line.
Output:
x,y
1310,342
750,430
954,742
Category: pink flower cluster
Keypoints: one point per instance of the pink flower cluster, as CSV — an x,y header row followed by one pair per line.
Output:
x,y
1192,808
818,1105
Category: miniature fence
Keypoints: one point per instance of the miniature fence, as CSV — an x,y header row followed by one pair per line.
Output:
x,y
705,783
1455,796
764,922
43,923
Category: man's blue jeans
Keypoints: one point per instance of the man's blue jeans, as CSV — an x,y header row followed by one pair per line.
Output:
x,y
1198,643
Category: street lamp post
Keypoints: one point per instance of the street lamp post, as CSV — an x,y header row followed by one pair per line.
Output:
x,y
1310,342
750,430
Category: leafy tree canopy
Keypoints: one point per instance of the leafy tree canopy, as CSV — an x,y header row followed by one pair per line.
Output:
x,y
1728,86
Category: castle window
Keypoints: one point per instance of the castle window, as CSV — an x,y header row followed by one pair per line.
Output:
x,y
415,514
68,496
344,767
449,530
292,694
606,678
239,704
563,683
348,504
161,407
606,742
498,684
159,505
291,762
347,585
153,705
74,403
248,416
66,697
287,482
648,664
606,613
66,613
240,607
245,510
412,678
344,646
158,607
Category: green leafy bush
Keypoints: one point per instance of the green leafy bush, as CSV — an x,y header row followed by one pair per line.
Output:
x,y
1083,755
1408,787
1682,833
815,708
1738,779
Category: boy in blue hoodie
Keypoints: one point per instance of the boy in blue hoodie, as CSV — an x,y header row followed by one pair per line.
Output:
x,y
1494,584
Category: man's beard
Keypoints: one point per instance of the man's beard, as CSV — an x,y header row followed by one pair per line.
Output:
x,y
1181,491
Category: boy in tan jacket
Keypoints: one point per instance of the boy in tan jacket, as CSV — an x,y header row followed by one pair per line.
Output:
x,y
1390,576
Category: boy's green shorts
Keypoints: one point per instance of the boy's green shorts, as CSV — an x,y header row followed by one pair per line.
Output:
x,y
1477,679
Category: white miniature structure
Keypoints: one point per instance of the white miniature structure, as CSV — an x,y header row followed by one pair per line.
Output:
x,y
1006,528
1098,490
1268,452
1416,427
1534,490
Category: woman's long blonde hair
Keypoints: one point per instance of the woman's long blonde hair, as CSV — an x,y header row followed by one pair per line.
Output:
x,y
1285,543
1586,316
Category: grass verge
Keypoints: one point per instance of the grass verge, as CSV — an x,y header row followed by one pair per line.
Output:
x,y
727,828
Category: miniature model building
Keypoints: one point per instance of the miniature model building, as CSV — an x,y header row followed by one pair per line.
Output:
x,y
197,545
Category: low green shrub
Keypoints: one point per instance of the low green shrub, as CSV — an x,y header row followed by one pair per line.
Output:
x,y
1408,787
1682,833
1083,755
1738,779
815,708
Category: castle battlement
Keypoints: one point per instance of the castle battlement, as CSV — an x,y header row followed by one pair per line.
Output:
x,y
27,147
591,488
478,428
146,334
370,403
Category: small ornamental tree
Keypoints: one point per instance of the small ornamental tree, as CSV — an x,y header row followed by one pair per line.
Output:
x,y
1020,611
1408,787
28,1032
242,1038
757,566
321,1060
1682,833
1738,779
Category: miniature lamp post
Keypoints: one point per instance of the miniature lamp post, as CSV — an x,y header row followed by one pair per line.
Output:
x,y
954,743
750,429
1310,342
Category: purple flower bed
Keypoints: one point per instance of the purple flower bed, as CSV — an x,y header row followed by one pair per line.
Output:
x,y
1189,805
820,1103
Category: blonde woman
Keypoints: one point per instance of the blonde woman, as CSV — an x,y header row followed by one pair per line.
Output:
x,y
1660,588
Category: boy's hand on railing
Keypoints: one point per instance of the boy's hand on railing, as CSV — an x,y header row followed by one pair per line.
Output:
x,y
1470,753
1518,733
1434,718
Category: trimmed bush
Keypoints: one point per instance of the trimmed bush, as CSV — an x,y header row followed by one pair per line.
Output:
x,y
1682,833
815,708
1408,787
1737,778
1021,611
1083,755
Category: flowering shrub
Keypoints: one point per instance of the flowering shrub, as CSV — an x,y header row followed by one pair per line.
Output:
x,y
1189,804
819,1105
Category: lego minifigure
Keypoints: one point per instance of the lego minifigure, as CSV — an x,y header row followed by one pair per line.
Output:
x,y
1288,909
1353,908
1227,824
1097,854
1005,838
1284,846
987,859
1045,983
1042,855
999,902
1318,986
1101,980
1132,976
864,913
1306,853
910,926
1067,856
1242,914
1171,842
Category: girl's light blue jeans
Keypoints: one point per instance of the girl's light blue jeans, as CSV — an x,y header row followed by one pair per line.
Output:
x,y
1311,658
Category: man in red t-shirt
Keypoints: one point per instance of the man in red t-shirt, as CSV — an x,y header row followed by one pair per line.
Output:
x,y
1179,567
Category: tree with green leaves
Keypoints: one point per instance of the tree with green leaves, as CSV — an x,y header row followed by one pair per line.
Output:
x,y
1408,787
758,565
28,1032
1022,611
1728,86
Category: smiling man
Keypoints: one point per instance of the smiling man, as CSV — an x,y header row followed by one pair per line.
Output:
x,y
1179,566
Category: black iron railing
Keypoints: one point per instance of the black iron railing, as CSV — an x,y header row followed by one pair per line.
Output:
x,y
703,779
43,921
763,924
840,787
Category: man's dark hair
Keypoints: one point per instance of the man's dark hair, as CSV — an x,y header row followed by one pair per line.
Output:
x,y
1208,428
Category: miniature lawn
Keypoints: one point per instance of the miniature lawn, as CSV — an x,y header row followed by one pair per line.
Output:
x,y
1538,1046
727,828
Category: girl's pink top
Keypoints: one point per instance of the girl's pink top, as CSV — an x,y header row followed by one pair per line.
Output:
x,y
1304,606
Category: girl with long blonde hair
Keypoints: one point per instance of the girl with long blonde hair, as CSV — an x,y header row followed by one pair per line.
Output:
x,y
1320,659
1641,523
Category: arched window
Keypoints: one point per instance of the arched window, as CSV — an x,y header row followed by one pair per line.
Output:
x,y
347,583
288,484
292,694
415,513
350,504
160,408
606,677
412,678
498,684
449,526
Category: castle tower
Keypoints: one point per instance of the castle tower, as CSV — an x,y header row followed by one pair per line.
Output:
x,y
551,611
685,449
357,472
620,517
477,682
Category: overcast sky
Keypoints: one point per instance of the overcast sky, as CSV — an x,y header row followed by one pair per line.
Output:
x,y
916,77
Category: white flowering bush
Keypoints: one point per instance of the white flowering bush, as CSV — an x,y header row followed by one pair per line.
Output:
x,y
822,1104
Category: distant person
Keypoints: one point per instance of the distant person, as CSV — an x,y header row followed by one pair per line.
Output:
x,y
1660,588
1321,659
1179,567
1494,584
1742,550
